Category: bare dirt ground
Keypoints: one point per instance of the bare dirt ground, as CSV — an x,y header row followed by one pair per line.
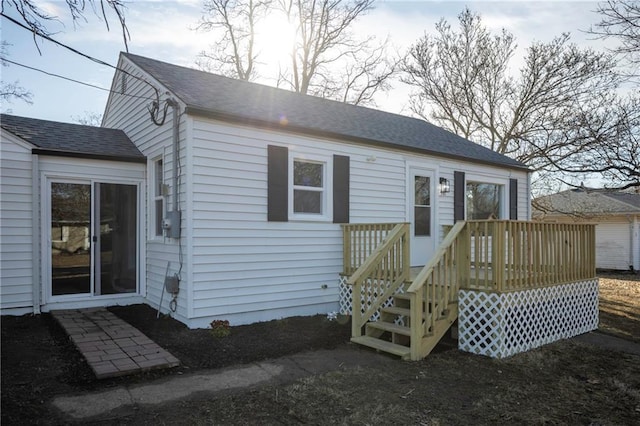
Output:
x,y
563,383
620,305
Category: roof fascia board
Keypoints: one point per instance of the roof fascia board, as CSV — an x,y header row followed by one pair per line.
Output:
x,y
312,132
71,154
151,79
112,91
17,139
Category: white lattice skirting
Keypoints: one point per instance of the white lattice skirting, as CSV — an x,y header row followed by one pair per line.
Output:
x,y
371,289
504,324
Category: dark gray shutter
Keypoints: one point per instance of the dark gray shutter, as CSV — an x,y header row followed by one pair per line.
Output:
x,y
459,193
513,199
277,183
340,189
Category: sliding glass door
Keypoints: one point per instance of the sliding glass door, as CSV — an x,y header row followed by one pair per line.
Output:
x,y
94,238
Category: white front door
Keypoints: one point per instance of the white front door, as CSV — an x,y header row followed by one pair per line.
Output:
x,y
421,214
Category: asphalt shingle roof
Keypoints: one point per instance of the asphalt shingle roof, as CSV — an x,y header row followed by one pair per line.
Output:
x,y
583,202
209,94
72,139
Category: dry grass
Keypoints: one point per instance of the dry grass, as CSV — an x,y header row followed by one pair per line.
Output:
x,y
620,305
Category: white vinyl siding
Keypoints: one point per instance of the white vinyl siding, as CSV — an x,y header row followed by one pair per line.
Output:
x,y
130,115
246,268
237,265
16,225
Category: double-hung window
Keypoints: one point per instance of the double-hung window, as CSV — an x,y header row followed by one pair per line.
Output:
x,y
310,188
306,187
158,197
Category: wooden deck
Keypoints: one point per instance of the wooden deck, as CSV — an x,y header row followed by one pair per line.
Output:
x,y
488,256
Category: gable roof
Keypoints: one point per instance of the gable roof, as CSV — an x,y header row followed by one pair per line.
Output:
x,y
230,99
72,140
583,202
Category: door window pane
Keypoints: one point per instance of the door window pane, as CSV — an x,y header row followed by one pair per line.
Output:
x,y
422,219
422,206
71,255
423,191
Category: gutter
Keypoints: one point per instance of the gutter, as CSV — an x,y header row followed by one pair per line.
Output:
x,y
72,154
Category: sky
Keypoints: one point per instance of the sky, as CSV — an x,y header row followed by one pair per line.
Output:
x,y
164,30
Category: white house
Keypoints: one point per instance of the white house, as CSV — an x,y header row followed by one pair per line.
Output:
x,y
244,222
617,218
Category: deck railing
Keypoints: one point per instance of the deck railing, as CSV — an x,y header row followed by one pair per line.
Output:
x,y
516,255
435,288
488,256
381,274
359,241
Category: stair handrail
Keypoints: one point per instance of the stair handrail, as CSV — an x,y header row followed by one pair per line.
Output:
x,y
375,261
421,321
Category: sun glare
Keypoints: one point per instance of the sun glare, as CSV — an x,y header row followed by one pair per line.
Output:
x,y
274,39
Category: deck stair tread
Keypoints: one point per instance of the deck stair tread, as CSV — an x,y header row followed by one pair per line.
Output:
x,y
395,310
382,345
402,296
390,327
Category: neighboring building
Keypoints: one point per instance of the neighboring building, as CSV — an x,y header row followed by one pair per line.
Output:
x,y
246,217
617,215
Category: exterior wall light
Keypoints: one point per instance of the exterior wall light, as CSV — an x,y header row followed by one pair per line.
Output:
x,y
444,186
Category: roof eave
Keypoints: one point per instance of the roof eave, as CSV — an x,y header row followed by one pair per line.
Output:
x,y
269,125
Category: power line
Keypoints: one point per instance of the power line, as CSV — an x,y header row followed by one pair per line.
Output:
x,y
154,109
74,81
91,58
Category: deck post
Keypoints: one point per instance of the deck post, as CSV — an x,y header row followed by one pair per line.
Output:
x,y
416,302
463,257
346,251
406,247
498,255
356,310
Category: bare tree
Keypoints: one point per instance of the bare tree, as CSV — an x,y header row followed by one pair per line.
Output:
x,y
323,36
34,19
234,53
621,21
607,142
326,59
89,118
464,82
10,91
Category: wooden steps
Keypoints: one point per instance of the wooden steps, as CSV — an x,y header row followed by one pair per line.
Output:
x,y
390,327
383,345
392,332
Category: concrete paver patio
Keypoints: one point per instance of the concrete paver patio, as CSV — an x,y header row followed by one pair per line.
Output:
x,y
111,346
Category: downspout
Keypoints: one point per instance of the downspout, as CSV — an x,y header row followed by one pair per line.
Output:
x,y
174,215
175,152
36,239
528,195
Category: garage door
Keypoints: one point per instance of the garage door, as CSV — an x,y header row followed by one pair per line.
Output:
x,y
613,246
